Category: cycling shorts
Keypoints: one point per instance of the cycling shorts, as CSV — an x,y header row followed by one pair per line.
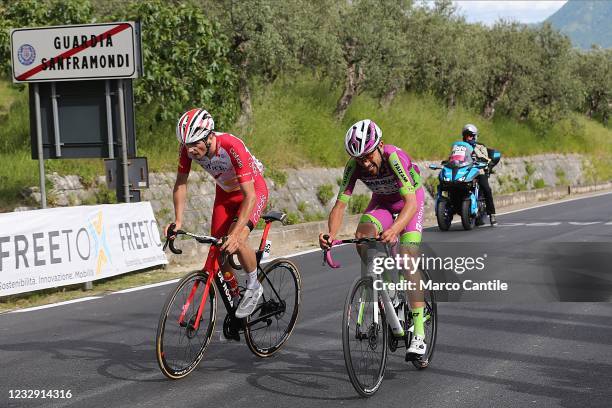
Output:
x,y
381,213
226,208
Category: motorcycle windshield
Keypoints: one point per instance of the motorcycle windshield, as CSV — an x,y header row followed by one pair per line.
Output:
x,y
461,155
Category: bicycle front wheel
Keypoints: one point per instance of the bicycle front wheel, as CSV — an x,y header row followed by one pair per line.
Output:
x,y
274,317
364,337
182,337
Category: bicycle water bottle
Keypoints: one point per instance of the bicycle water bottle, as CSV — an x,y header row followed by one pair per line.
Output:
x,y
232,283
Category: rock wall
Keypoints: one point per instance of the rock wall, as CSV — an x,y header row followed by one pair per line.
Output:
x,y
308,194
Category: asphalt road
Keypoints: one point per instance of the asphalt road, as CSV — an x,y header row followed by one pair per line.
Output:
x,y
540,354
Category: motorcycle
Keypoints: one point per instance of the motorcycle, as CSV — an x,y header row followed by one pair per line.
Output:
x,y
458,191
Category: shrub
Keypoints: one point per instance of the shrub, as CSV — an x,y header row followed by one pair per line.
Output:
x,y
539,183
278,176
325,193
561,179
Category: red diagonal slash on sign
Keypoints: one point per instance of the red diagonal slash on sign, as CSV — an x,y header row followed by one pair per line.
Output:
x,y
117,29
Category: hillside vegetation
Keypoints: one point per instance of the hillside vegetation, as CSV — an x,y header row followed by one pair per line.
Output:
x,y
292,127
290,77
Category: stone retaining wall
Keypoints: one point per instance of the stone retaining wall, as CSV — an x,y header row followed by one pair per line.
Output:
x,y
308,194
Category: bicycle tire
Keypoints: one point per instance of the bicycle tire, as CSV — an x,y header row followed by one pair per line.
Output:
x,y
266,338
430,325
376,336
167,352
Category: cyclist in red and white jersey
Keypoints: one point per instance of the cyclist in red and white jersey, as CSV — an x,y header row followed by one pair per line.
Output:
x,y
241,192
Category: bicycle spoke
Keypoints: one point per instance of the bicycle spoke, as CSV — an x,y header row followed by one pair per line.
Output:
x,y
181,345
272,322
364,340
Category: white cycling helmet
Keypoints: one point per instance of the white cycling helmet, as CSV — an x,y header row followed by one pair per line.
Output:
x,y
362,138
194,125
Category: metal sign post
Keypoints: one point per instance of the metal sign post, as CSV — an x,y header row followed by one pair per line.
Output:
x,y
124,156
41,160
109,119
56,131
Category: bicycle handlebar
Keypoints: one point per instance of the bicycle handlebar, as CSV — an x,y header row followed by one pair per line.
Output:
x,y
202,239
327,257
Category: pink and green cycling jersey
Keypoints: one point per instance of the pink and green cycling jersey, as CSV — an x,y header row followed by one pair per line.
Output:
x,y
399,178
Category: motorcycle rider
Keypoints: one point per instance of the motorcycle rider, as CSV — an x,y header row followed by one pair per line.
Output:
x,y
470,135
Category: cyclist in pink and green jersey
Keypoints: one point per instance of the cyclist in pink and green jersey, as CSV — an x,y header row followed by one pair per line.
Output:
x,y
395,211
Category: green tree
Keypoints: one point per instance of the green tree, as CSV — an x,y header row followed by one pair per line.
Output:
x,y
508,53
554,87
32,13
186,60
449,53
263,38
370,35
594,71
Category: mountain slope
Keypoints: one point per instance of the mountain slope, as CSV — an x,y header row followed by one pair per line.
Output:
x,y
585,22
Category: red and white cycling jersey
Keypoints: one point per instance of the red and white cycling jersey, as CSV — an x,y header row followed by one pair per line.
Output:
x,y
233,164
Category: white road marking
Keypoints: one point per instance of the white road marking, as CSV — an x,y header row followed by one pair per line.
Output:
x,y
67,302
153,285
554,203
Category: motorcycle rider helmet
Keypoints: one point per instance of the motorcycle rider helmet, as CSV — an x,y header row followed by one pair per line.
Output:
x,y
470,130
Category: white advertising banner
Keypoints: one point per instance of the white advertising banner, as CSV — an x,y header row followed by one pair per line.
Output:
x,y
77,52
62,246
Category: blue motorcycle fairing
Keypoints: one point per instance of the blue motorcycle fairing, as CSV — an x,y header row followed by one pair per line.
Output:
x,y
474,201
461,173
472,174
446,174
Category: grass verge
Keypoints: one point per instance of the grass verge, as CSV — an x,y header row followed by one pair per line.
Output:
x,y
101,287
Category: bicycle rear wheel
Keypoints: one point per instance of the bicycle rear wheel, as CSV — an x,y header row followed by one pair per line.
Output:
x,y
180,345
364,342
430,324
274,317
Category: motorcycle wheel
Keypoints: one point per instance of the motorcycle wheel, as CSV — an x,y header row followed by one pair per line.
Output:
x,y
443,216
467,220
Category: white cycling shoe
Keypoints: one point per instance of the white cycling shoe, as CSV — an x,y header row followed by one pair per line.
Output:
x,y
249,302
417,348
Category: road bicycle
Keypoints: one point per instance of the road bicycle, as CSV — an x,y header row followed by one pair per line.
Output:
x,y
376,320
187,320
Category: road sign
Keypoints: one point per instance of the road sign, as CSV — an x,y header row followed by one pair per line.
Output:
x,y
76,52
85,122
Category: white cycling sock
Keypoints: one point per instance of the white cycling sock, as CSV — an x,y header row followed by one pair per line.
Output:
x,y
252,281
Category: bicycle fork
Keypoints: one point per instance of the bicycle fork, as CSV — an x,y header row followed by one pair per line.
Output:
x,y
392,319
223,289
189,300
